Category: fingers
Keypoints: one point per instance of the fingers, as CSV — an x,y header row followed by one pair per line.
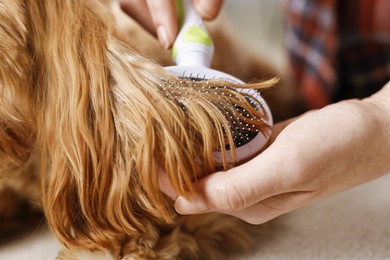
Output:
x,y
257,213
241,190
235,189
156,16
139,11
208,9
217,192
164,18
159,16
274,206
214,180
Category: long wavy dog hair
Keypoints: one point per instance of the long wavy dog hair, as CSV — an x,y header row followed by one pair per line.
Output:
x,y
92,119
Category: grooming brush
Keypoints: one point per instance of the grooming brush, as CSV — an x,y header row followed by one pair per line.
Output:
x,y
192,52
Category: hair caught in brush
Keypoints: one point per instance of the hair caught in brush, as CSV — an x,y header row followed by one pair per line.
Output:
x,y
101,122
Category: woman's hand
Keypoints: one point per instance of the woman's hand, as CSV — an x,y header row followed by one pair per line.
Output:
x,y
321,153
159,16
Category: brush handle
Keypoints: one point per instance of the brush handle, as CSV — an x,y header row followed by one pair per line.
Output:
x,y
193,45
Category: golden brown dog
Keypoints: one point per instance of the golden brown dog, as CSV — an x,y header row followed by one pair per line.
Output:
x,y
86,125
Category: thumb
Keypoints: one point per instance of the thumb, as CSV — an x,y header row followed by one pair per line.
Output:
x,y
235,189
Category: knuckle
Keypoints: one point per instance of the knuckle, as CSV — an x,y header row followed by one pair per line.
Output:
x,y
235,199
227,197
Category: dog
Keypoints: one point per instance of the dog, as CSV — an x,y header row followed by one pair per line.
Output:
x,y
86,129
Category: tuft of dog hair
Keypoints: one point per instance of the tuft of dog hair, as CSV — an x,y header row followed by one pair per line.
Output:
x,y
86,129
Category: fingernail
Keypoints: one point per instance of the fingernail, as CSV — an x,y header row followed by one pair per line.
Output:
x,y
195,206
163,37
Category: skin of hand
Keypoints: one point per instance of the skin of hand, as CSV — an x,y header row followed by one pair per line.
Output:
x,y
318,154
159,16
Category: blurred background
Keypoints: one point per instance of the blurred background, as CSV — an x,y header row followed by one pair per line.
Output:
x,y
259,24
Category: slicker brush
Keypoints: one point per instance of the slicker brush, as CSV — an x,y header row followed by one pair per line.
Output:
x,y
249,118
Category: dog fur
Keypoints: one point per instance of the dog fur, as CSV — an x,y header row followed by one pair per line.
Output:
x,y
85,129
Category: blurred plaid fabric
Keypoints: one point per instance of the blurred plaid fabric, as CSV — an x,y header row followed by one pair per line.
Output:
x,y
338,49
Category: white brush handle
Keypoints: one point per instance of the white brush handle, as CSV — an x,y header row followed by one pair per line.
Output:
x,y
190,14
193,45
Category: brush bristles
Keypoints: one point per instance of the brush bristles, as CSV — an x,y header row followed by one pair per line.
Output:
x,y
244,113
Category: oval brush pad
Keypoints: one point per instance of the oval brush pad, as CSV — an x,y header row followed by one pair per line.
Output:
x,y
192,52
248,139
